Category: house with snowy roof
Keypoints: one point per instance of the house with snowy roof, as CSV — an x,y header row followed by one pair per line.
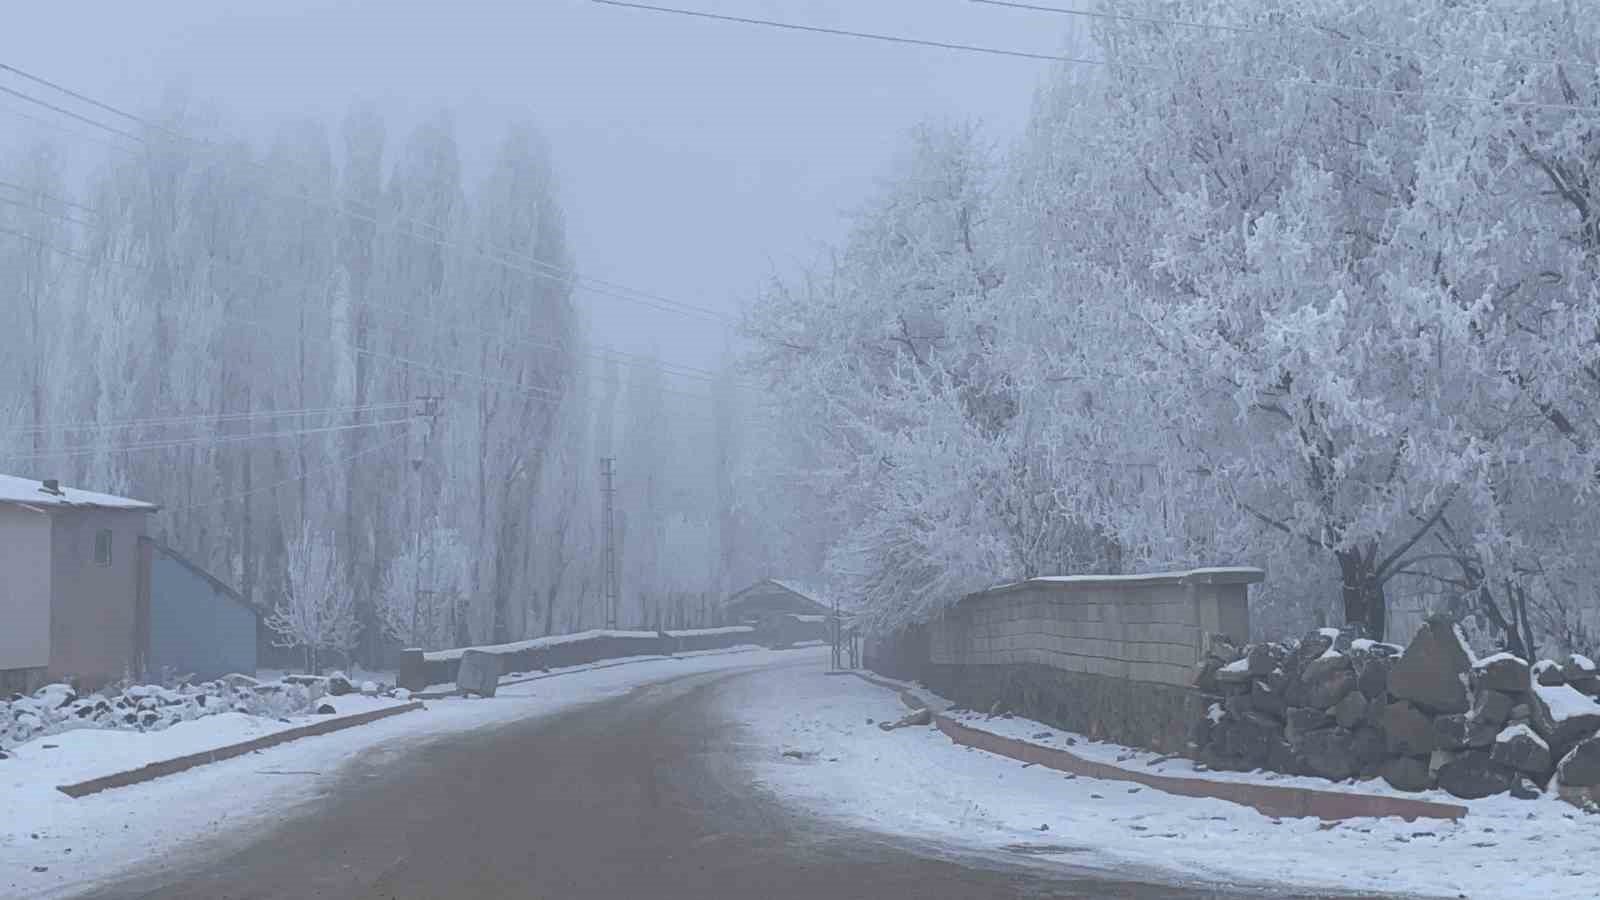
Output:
x,y
87,596
69,583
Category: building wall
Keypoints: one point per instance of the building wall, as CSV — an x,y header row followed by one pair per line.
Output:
x,y
24,589
1110,657
195,627
93,618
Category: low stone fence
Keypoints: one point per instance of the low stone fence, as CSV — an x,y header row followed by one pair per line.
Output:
x,y
1428,715
1112,657
419,669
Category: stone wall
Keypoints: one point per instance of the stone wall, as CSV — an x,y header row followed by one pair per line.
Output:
x,y
1428,715
1112,657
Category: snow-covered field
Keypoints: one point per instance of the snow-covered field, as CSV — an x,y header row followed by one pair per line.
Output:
x,y
917,782
52,845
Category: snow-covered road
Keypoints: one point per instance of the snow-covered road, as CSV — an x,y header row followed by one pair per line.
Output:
x,y
52,845
916,781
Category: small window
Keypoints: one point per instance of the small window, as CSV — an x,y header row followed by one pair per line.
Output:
x,y
102,547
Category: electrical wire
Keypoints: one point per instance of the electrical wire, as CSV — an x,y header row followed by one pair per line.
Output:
x,y
542,268
208,441
1303,83
210,418
288,481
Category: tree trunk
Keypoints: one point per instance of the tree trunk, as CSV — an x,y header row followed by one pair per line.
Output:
x,y
1362,591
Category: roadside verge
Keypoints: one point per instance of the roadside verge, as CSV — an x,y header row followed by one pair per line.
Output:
x,y
161,768
1270,800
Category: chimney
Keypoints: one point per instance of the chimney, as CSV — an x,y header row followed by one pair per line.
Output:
x,y
52,486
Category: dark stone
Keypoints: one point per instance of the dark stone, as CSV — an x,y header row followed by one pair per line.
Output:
x,y
1503,672
1581,766
1473,775
1547,672
1460,730
1582,716
1268,701
1576,666
1326,681
1205,678
1588,685
338,685
1232,674
1523,751
1406,773
1247,741
1263,658
1351,710
325,710
1410,732
1236,705
1312,646
1369,747
1432,672
1329,753
1304,719
1372,677
1281,757
1524,788
1491,706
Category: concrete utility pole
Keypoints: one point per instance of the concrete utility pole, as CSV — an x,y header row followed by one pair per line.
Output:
x,y
608,471
428,410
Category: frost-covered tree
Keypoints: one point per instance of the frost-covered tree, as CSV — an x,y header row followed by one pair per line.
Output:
x,y
317,612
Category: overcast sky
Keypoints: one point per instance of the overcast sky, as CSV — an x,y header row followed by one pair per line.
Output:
x,y
696,156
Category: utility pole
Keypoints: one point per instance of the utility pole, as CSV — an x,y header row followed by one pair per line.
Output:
x,y
608,471
428,410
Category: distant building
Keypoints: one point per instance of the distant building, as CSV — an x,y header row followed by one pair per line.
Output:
x,y
761,600
69,584
192,623
86,596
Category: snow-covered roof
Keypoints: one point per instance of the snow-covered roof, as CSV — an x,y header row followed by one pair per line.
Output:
x,y
1221,575
30,492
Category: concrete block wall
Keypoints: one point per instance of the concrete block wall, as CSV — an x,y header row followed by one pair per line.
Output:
x,y
1108,656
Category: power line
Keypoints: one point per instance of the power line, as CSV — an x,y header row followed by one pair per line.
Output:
x,y
196,440
543,269
1304,83
208,418
301,477
1309,31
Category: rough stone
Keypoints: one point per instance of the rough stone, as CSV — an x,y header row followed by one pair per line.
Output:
x,y
1326,681
1263,658
1432,673
1581,766
1372,677
1406,773
1522,750
1581,797
1586,684
1491,706
1370,749
339,685
1268,701
1303,720
1573,718
326,710
1460,730
1438,759
1410,732
479,673
1525,788
1351,710
1503,672
1329,753
1312,646
1473,775
1547,672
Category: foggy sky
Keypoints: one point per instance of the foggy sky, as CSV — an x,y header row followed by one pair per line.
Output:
x,y
696,157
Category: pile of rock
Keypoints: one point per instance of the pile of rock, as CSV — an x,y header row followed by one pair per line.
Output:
x,y
55,708
1428,715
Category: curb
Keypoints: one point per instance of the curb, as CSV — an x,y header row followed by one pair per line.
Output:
x,y
162,768
1269,800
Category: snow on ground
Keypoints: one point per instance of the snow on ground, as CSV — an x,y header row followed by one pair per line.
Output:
x,y
79,843
513,678
916,781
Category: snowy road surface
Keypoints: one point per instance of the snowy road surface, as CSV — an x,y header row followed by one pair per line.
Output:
x,y
649,792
